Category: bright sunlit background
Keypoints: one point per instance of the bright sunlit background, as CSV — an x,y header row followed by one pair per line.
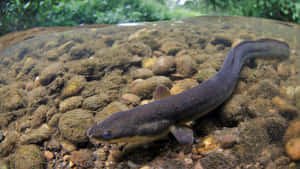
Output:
x,y
23,14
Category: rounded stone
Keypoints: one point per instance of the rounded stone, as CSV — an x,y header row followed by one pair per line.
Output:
x,y
70,103
163,65
28,157
141,73
292,148
74,124
144,88
73,86
182,85
50,73
185,65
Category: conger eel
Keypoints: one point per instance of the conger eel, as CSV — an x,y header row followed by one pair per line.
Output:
x,y
152,121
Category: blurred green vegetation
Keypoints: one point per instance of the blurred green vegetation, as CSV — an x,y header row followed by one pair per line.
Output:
x,y
23,14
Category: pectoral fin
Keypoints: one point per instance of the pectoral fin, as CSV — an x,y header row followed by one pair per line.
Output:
x,y
183,134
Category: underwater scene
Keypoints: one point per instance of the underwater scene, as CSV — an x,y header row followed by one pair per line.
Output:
x,y
211,92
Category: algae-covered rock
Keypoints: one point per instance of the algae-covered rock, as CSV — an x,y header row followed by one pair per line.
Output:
x,y
144,88
39,116
148,37
8,144
74,124
205,74
113,107
163,65
11,99
286,109
50,73
82,158
28,157
37,96
131,98
141,73
182,85
235,109
265,88
80,51
73,86
185,65
96,102
171,47
219,160
37,135
70,103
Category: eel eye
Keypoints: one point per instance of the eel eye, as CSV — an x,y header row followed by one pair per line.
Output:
x,y
106,135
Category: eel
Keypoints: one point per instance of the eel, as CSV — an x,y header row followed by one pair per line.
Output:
x,y
152,121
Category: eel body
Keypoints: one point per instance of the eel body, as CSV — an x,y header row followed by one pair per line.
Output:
x,y
152,121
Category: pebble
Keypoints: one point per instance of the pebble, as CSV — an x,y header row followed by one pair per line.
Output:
x,y
48,155
292,131
292,148
82,158
68,146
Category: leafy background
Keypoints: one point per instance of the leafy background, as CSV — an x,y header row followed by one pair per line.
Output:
x,y
23,14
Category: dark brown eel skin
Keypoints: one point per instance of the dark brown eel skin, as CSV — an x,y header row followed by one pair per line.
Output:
x,y
152,121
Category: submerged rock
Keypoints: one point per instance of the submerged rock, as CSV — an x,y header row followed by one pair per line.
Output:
x,y
28,157
113,107
161,92
131,98
74,124
205,74
82,158
141,73
144,88
73,86
163,65
8,144
171,47
37,135
182,85
96,102
70,103
292,131
292,148
235,110
50,73
185,65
